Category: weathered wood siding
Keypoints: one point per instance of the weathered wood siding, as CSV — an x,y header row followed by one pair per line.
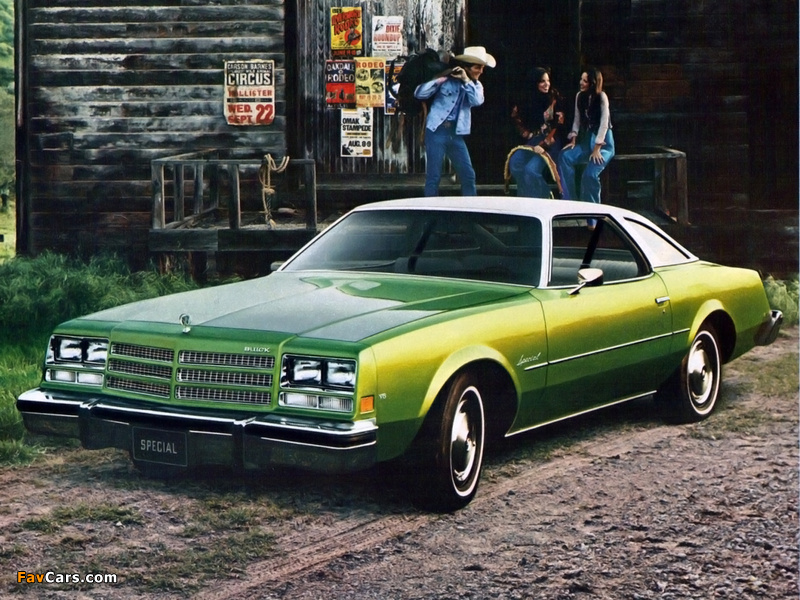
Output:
x,y
105,86
717,80
438,25
108,86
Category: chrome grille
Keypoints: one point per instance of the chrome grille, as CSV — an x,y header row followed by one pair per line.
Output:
x,y
222,395
143,352
202,376
219,359
224,378
145,370
138,387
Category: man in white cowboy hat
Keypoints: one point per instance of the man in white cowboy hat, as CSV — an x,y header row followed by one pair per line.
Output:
x,y
450,118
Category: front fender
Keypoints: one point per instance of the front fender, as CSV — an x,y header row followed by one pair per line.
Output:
x,y
459,360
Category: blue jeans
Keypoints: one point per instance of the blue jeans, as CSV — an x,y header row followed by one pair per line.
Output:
x,y
528,170
439,143
588,189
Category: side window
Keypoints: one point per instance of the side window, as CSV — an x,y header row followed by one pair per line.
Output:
x,y
662,250
575,246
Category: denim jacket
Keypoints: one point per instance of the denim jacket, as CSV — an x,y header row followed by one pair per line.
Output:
x,y
445,93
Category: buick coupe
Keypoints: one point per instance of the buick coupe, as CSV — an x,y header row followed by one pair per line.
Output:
x,y
423,328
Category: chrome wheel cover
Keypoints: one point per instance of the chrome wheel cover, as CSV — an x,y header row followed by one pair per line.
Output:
x,y
466,440
702,372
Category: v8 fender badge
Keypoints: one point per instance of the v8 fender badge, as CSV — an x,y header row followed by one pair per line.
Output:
x,y
186,322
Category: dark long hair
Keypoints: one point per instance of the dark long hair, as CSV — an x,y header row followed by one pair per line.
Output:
x,y
589,101
538,102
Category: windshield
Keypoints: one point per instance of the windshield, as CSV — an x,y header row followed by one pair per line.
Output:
x,y
466,245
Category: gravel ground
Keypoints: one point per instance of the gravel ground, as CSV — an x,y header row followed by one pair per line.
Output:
x,y
627,508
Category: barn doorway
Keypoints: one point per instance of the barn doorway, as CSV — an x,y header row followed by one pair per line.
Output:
x,y
521,35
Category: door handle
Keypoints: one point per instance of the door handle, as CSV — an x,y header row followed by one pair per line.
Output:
x,y
662,300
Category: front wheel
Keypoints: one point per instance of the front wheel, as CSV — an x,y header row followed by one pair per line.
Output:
x,y
693,391
453,444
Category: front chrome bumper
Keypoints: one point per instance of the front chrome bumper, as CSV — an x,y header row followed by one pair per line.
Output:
x,y
237,440
769,329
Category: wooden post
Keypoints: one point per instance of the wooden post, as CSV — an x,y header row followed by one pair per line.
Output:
x,y
682,190
177,176
310,176
197,207
157,183
235,203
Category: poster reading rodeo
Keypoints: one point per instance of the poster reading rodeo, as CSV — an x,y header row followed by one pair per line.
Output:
x,y
347,33
370,82
340,84
250,92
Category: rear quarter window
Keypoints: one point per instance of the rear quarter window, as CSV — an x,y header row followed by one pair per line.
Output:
x,y
660,249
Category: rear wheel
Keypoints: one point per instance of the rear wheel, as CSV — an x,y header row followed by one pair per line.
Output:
x,y
452,445
693,391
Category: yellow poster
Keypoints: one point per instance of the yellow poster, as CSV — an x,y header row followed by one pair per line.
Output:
x,y
370,82
347,32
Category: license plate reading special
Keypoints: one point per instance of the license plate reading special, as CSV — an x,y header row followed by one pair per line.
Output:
x,y
159,446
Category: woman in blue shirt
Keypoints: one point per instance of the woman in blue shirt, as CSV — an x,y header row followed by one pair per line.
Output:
x,y
450,118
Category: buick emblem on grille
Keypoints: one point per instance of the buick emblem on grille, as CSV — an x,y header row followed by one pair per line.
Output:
x,y
186,322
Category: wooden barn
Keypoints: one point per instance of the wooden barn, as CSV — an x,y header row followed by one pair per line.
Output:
x,y
136,119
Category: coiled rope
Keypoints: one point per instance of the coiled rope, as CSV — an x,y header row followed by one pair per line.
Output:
x,y
268,167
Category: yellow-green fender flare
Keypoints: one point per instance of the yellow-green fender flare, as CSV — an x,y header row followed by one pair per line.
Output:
x,y
457,361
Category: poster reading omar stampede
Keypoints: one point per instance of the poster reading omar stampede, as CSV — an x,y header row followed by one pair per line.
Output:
x,y
347,32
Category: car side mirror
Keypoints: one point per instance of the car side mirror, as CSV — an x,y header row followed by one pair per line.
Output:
x,y
588,278
274,266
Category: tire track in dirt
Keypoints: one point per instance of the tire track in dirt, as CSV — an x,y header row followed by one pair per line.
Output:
x,y
297,558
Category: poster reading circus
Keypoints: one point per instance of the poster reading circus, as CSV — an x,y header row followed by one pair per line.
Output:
x,y
250,92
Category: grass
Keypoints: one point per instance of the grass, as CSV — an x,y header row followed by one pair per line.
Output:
x,y
37,294
776,380
8,229
84,513
217,544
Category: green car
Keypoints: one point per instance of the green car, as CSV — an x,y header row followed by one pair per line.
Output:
x,y
420,328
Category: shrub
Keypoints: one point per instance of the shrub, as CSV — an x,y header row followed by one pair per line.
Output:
x,y
783,296
36,294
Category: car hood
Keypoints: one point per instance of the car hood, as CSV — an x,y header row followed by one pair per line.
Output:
x,y
325,305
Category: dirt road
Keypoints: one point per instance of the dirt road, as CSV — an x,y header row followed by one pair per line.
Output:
x,y
613,506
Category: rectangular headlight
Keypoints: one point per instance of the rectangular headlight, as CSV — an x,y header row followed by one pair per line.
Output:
x,y
96,352
316,372
68,349
76,350
306,371
341,373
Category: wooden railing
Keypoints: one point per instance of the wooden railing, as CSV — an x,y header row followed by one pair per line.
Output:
x,y
205,199
668,178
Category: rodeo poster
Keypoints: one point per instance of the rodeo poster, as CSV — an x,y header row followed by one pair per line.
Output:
x,y
370,82
356,132
340,84
347,32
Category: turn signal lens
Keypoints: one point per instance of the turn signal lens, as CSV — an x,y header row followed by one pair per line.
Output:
x,y
367,404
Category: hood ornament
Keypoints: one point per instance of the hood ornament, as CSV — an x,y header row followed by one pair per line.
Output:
x,y
186,321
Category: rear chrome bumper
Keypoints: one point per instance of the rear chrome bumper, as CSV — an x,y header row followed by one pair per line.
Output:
x,y
206,438
769,329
